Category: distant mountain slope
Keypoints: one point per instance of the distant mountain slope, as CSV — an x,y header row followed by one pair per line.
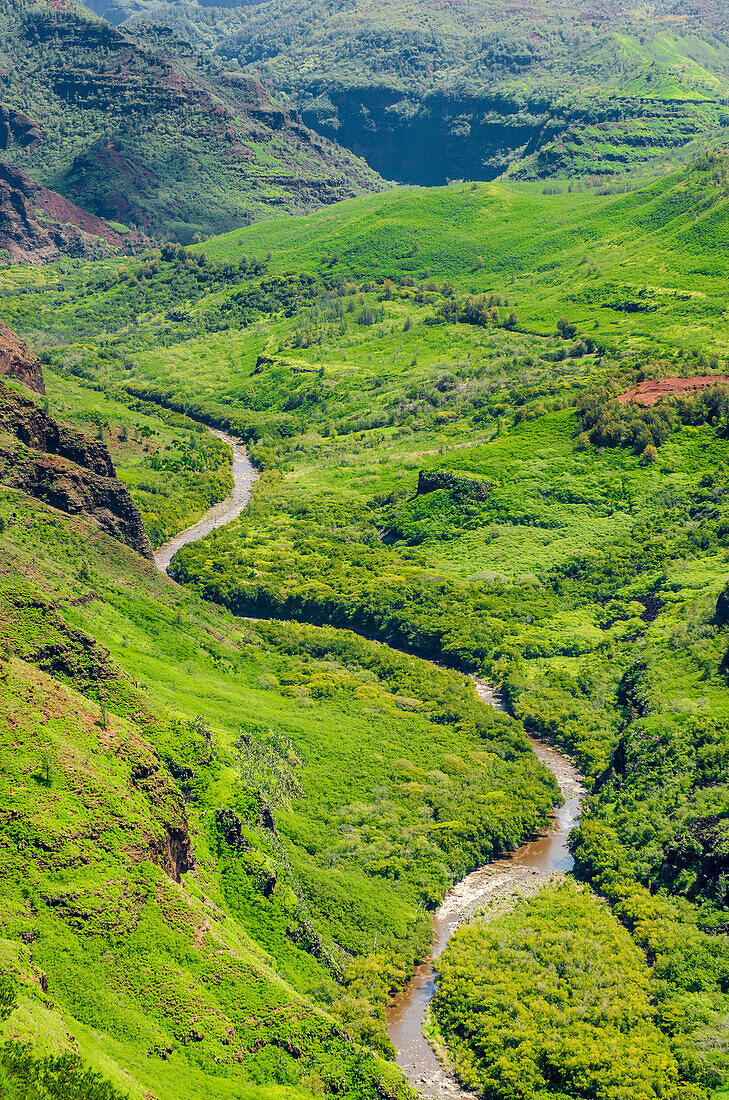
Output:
x,y
147,133
38,225
468,88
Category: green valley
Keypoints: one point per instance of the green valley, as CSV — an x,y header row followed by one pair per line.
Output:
x,y
233,797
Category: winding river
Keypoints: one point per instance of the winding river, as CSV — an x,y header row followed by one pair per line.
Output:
x,y
521,873
244,477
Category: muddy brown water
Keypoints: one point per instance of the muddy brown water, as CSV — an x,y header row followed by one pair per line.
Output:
x,y
520,874
244,477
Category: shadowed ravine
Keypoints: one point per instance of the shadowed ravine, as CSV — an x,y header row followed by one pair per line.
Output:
x,y
521,873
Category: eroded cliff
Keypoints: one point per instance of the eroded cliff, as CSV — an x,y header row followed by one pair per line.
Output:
x,y
66,469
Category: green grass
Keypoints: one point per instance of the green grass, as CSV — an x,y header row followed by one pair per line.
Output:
x,y
361,852
174,468
581,576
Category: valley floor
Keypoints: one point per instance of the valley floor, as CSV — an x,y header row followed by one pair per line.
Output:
x,y
234,799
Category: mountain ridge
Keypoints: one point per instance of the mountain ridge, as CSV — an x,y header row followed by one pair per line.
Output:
x,y
155,137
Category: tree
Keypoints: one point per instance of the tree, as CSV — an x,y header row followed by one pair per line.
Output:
x,y
566,329
649,455
268,763
47,764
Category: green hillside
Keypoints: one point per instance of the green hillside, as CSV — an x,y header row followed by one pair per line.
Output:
x,y
143,739
145,131
434,91
428,381
645,267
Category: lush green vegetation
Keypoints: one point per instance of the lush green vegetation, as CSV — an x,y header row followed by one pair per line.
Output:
x,y
553,1000
313,895
149,133
175,468
429,92
541,546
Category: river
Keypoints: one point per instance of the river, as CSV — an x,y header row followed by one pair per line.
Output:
x,y
521,873
244,477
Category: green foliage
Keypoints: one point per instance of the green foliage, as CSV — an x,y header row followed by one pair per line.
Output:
x,y
23,1077
140,129
8,998
429,94
267,766
580,579
553,1000
393,785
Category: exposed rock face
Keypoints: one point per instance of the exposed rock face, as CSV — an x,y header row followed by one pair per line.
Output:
x,y
17,361
16,126
230,826
175,854
66,469
66,228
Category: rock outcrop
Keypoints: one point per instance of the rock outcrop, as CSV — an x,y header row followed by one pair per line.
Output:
x,y
66,469
65,227
16,126
17,361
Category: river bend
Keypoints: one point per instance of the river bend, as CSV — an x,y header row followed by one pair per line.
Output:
x,y
495,885
520,874
244,477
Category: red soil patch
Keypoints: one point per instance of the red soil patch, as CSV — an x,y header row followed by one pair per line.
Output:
x,y
648,393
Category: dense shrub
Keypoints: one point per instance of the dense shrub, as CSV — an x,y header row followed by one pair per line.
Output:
x,y
553,1001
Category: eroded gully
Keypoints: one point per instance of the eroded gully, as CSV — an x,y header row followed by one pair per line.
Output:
x,y
492,888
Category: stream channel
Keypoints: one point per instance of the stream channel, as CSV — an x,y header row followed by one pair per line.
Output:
x,y
494,886
244,477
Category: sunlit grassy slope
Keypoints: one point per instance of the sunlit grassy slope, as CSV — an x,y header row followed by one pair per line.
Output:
x,y
214,978
647,266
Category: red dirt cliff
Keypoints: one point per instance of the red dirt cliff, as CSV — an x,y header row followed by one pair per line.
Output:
x,y
17,361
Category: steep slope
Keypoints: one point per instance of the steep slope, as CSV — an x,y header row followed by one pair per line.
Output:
x,y
149,134
62,466
438,90
37,226
129,715
18,361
